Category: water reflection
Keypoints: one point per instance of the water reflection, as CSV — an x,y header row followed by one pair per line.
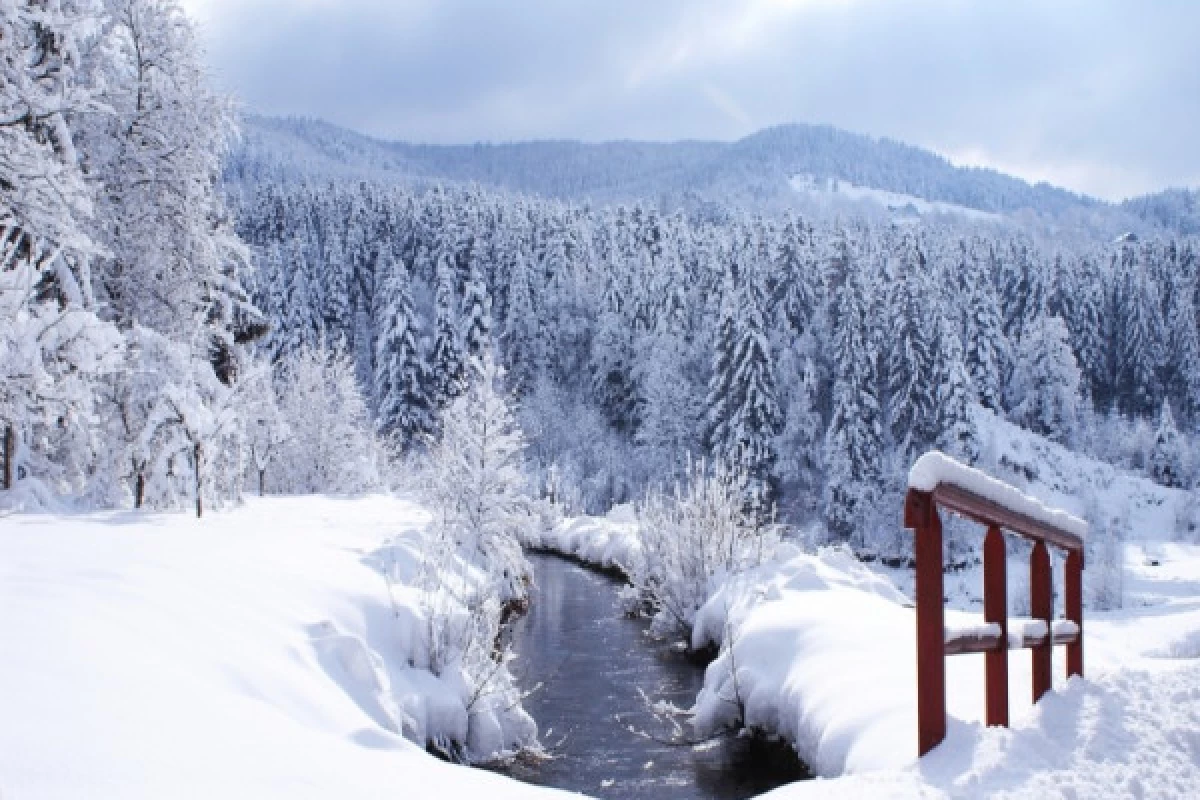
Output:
x,y
591,662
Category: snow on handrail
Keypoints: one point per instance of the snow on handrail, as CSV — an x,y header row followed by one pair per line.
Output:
x,y
935,469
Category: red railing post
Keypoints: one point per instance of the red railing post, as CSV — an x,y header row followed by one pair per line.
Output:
x,y
1041,606
999,512
1073,584
921,515
995,610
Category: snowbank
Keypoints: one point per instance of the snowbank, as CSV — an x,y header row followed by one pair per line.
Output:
x,y
935,468
255,653
608,542
821,650
1124,734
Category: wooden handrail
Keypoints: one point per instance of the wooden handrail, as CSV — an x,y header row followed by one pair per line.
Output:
x,y
921,515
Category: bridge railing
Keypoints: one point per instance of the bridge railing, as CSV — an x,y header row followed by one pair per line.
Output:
x,y
936,481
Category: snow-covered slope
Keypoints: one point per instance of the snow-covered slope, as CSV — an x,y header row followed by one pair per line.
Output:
x,y
844,194
255,653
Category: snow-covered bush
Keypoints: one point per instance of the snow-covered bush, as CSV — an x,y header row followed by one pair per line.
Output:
x,y
1166,457
190,445
1104,577
477,483
475,573
332,446
694,536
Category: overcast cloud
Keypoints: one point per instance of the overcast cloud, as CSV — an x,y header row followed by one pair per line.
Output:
x,y
1101,96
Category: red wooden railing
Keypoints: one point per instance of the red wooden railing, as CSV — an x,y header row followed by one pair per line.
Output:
x,y
933,645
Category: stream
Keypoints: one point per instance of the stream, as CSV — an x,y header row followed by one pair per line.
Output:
x,y
591,661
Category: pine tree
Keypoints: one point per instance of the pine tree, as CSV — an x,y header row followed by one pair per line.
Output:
x,y
477,309
722,398
957,433
402,404
1138,353
1045,386
1084,303
1166,459
612,362
478,481
853,441
522,329
987,346
301,328
755,419
1181,361
912,391
447,369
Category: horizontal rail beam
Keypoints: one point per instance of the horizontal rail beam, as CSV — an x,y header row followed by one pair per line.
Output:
x,y
985,643
986,512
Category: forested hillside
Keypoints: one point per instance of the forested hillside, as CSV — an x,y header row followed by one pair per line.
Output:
x,y
752,173
821,356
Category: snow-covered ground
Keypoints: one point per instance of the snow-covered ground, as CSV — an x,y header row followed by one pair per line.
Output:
x,y
260,652
255,653
824,653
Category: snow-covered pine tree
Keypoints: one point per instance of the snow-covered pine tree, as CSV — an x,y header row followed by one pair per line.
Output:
x,y
853,441
1138,345
522,329
912,391
447,368
754,418
986,345
1083,307
957,433
721,398
799,443
612,362
402,404
1044,394
477,313
1166,458
1181,356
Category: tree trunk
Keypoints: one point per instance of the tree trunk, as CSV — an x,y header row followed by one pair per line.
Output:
x,y
262,480
139,490
10,450
197,466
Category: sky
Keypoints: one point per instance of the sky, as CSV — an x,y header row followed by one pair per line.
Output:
x,y
1099,96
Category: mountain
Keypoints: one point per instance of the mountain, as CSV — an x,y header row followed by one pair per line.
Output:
x,y
802,166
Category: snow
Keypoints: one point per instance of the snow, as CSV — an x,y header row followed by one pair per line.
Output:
x,y
831,189
253,653
936,467
608,542
818,651
825,656
972,629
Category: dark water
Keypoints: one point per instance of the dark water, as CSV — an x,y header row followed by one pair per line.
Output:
x,y
591,662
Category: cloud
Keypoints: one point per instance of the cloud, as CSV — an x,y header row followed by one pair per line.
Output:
x,y
1095,94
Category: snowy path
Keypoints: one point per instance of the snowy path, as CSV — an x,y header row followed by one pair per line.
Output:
x,y
251,654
